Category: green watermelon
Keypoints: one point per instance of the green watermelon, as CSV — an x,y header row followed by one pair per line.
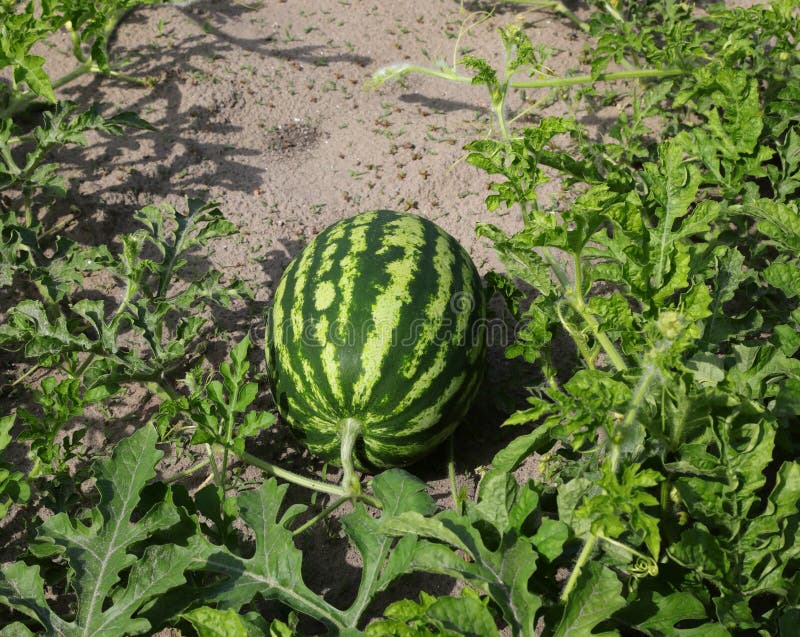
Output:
x,y
379,323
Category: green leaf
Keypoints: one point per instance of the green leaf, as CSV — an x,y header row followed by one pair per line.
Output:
x,y
497,493
99,553
769,542
463,615
525,503
29,70
28,322
99,393
519,258
570,496
274,570
680,184
417,524
399,491
240,365
780,222
407,618
22,588
502,573
118,122
550,538
614,312
6,424
484,73
658,615
519,449
728,276
247,394
785,277
254,423
16,629
210,622
707,369
699,550
596,597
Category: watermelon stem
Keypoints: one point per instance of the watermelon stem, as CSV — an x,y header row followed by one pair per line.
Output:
x,y
289,476
459,495
321,515
349,432
344,490
583,558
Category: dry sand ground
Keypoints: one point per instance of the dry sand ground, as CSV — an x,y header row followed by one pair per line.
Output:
x,y
263,107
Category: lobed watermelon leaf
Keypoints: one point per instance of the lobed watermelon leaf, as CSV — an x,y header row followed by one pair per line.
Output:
x,y
501,571
445,616
274,570
112,583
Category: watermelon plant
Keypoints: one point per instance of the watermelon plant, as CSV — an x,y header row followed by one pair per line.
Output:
x,y
665,434
669,266
376,340
90,26
25,27
84,349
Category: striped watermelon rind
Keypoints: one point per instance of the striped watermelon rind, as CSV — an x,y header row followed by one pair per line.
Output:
x,y
381,320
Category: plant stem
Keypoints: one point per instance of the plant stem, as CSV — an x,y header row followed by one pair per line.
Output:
x,y
458,504
574,296
586,553
556,267
550,82
25,375
650,374
635,74
86,65
602,338
322,514
77,51
24,100
577,337
169,390
187,472
549,370
85,364
349,431
294,478
558,7
215,472
611,10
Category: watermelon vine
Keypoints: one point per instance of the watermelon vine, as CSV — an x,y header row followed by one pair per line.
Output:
x,y
655,310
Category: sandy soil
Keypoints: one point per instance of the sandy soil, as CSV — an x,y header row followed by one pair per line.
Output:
x,y
263,107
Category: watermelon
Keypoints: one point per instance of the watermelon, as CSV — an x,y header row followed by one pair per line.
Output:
x,y
377,326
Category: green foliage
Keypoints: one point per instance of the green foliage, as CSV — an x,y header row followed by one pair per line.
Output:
x,y
151,312
100,548
436,616
214,405
273,570
211,622
61,126
667,496
24,24
14,487
672,267
120,561
217,413
498,562
59,402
